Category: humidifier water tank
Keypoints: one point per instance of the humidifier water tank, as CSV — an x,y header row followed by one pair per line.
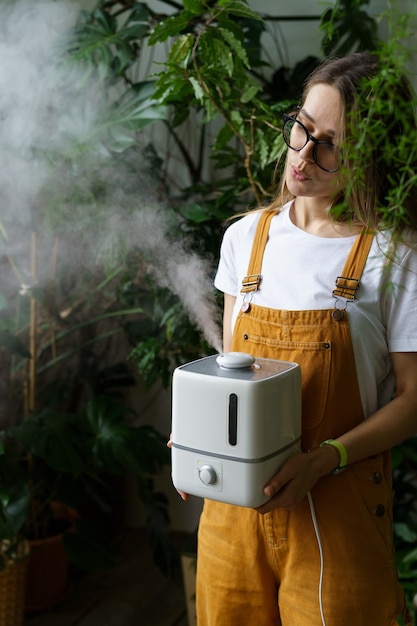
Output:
x,y
235,420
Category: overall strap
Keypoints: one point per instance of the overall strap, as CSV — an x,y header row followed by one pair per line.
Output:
x,y
253,279
347,284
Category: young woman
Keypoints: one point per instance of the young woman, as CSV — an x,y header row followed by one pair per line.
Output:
x,y
337,292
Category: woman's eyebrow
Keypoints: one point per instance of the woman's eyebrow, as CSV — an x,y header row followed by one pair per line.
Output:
x,y
330,132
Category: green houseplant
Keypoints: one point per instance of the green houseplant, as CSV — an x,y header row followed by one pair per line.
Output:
x,y
69,436
50,458
68,431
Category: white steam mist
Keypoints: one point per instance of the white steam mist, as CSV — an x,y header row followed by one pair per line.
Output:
x,y
183,272
34,100
43,115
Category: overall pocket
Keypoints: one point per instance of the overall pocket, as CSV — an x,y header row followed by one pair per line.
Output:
x,y
314,359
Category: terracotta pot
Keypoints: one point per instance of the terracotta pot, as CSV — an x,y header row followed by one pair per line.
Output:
x,y
48,567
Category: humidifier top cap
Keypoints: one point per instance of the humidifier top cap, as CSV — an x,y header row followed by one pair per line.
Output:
x,y
237,366
235,360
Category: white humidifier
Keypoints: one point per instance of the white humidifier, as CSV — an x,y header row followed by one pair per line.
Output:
x,y
235,420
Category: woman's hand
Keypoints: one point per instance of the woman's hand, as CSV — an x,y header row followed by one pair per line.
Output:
x,y
297,476
183,495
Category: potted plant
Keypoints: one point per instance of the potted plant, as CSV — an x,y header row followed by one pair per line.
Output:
x,y
50,465
67,432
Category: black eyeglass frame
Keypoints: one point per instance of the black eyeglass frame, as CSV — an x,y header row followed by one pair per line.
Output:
x,y
287,117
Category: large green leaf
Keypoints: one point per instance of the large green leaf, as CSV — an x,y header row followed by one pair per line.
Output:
x,y
134,110
119,446
180,51
235,45
13,512
194,6
172,26
217,54
103,41
403,531
239,8
60,440
348,28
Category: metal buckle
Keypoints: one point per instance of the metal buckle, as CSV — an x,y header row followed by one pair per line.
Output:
x,y
346,287
251,283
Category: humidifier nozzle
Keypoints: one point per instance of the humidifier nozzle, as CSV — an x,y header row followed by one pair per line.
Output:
x,y
235,360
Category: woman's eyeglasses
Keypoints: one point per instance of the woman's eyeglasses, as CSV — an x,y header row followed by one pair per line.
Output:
x,y
296,136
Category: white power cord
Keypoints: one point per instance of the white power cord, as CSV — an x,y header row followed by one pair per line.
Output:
x,y
317,531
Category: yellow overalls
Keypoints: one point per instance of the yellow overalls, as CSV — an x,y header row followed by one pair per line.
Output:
x,y
264,570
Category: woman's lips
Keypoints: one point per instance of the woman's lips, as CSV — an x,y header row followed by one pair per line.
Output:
x,y
298,174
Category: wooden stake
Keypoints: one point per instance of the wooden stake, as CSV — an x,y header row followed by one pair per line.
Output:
x,y
32,331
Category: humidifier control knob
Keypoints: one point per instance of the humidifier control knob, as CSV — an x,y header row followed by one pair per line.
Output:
x,y
208,475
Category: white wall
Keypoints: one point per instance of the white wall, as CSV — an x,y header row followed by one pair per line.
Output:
x,y
302,38
408,7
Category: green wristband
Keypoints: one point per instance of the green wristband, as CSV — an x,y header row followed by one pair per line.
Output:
x,y
342,454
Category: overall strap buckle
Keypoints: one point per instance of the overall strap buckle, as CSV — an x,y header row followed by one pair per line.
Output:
x,y
346,287
251,283
347,284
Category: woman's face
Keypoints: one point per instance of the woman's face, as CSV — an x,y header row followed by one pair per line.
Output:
x,y
321,115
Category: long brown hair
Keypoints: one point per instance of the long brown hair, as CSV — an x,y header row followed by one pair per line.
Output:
x,y
378,142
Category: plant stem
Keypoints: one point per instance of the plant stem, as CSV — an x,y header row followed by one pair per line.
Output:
x,y
32,341
51,290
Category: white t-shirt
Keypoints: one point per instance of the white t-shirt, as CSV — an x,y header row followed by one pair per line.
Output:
x,y
299,272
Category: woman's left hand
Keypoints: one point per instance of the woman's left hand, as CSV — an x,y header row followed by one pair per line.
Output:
x,y
296,477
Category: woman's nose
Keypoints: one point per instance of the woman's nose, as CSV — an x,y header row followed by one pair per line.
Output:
x,y
306,153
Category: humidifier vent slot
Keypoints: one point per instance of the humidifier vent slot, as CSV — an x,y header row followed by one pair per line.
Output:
x,y
233,419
